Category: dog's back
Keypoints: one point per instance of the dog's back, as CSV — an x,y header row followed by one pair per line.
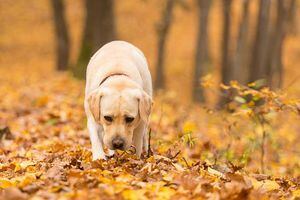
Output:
x,y
118,57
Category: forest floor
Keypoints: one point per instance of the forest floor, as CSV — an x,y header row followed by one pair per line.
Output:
x,y
197,152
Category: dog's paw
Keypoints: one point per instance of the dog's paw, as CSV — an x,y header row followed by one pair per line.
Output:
x,y
110,153
99,157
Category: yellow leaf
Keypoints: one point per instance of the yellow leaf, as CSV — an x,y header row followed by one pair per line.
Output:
x,y
216,173
134,194
23,165
56,188
296,193
124,178
165,193
225,87
266,185
42,101
17,167
234,84
189,127
178,167
24,180
207,81
167,177
5,183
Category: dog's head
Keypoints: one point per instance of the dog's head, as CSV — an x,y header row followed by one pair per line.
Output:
x,y
119,112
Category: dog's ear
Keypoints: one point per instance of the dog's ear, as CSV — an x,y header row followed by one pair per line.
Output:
x,y
145,106
94,101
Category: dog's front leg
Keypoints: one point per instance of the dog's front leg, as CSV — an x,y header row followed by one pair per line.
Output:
x,y
97,148
138,137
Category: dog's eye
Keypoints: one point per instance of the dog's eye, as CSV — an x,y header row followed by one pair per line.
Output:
x,y
129,119
108,118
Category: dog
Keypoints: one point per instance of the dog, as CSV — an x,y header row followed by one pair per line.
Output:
x,y
118,99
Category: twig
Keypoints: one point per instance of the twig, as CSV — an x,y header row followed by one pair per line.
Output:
x,y
187,164
263,141
175,155
263,152
150,152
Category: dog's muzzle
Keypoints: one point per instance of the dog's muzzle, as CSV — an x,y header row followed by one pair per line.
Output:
x,y
118,143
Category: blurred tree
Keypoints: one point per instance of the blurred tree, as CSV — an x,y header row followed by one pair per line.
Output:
x,y
279,31
240,61
99,29
202,50
258,65
293,26
226,72
163,30
62,36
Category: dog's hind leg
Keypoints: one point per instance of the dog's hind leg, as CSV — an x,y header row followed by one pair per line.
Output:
x,y
146,141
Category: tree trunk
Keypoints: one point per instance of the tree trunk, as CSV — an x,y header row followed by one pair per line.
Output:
x,y
104,28
240,62
258,65
163,30
99,29
293,27
226,59
62,37
275,65
202,54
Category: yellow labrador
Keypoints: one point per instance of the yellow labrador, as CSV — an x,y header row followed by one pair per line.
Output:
x,y
118,99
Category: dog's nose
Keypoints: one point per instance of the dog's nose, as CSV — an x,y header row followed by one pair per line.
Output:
x,y
118,143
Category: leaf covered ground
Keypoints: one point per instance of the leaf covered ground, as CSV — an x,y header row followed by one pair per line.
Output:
x,y
197,152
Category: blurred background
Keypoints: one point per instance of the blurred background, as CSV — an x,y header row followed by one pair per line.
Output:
x,y
189,44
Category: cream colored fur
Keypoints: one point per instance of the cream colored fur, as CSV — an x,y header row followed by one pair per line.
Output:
x,y
126,91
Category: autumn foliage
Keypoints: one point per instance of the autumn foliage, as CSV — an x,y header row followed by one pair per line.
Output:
x,y
197,152
248,150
